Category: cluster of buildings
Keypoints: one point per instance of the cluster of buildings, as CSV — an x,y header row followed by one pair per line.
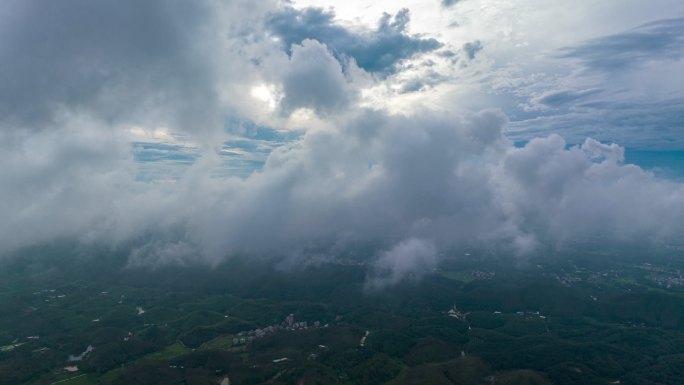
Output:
x,y
249,336
288,324
567,279
483,274
602,276
663,276
364,338
50,294
656,269
528,313
291,324
665,280
455,313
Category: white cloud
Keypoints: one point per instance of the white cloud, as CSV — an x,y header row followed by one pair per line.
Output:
x,y
400,163
315,80
409,259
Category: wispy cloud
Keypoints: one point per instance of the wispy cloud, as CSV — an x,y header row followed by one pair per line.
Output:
x,y
657,40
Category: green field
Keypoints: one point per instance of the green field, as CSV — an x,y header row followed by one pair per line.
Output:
x,y
81,379
172,351
10,347
461,276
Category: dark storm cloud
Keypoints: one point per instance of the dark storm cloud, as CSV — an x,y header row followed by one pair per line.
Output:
x,y
657,40
375,51
112,58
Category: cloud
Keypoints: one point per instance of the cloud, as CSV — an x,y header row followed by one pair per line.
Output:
x,y
373,179
472,48
452,181
449,3
657,40
75,179
409,259
315,80
585,192
169,64
636,124
408,186
618,87
565,97
76,55
415,186
377,51
413,85
79,75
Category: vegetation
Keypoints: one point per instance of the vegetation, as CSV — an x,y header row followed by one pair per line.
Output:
x,y
571,320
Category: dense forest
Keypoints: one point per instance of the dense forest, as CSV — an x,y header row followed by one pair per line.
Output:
x,y
567,319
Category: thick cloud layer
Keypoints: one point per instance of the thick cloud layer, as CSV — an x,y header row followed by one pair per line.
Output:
x,y
116,58
315,80
453,181
408,187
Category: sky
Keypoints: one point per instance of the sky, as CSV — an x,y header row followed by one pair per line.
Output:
x,y
199,130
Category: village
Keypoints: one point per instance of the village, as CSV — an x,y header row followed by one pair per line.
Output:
x,y
289,324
